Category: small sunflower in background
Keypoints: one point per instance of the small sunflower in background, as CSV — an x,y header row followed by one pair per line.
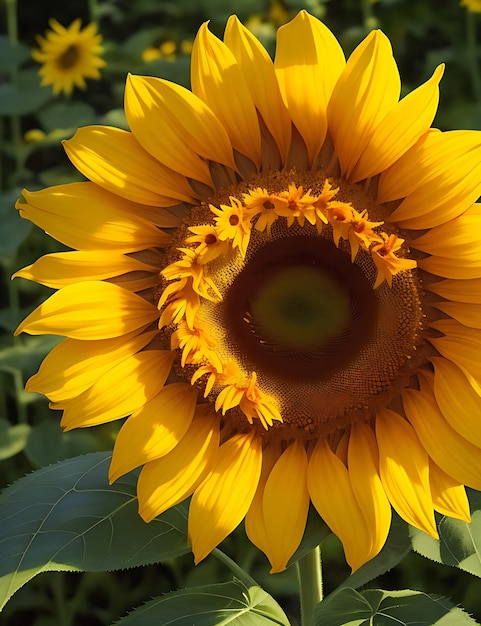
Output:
x,y
69,56
166,50
472,5
276,279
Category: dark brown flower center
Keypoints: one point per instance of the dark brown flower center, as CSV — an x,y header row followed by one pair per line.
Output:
x,y
69,58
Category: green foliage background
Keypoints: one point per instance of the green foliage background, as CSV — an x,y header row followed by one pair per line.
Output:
x,y
423,34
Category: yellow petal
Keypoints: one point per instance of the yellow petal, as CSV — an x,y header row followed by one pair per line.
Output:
x,y
258,71
254,522
365,93
439,177
120,391
363,464
461,344
64,268
165,113
456,268
458,290
165,482
467,314
73,365
305,77
90,310
114,159
224,497
285,505
217,79
455,238
136,281
154,429
332,494
404,468
455,455
159,130
449,496
86,217
400,129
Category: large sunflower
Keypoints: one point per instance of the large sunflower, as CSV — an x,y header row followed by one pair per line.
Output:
x,y
277,280
69,56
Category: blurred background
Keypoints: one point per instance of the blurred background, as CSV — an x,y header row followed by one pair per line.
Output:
x,y
154,37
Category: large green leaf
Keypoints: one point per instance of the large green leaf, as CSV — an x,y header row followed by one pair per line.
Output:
x,y
25,95
374,607
225,603
67,517
459,543
12,54
66,115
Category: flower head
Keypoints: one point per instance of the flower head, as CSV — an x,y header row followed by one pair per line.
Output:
x,y
69,55
474,6
304,330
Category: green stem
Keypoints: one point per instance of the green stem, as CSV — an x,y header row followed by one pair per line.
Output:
x,y
472,49
367,15
12,27
309,570
232,565
16,128
93,10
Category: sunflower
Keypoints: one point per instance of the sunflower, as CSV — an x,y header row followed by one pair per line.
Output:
x,y
472,5
69,56
276,280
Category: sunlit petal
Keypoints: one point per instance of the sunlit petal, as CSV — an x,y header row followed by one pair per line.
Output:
x,y
154,429
285,505
371,73
226,494
165,482
305,78
457,456
84,311
404,469
215,73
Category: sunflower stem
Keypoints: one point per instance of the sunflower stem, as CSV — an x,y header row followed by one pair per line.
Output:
x,y
93,10
16,129
236,569
368,18
309,570
472,50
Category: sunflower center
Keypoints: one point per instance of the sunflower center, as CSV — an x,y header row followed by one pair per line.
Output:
x,y
299,309
292,306
300,305
69,58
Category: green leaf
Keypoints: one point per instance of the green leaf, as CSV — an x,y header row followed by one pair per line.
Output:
x,y
226,603
14,229
66,115
25,95
67,517
12,55
397,546
374,607
27,356
459,543
12,438
47,443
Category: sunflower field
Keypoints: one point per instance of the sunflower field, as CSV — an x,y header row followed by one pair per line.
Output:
x,y
240,313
